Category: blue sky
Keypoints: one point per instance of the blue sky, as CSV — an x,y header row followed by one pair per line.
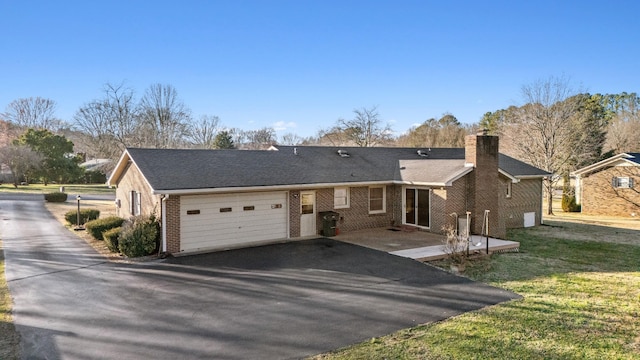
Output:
x,y
300,65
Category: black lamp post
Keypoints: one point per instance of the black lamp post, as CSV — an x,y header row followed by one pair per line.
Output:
x,y
78,227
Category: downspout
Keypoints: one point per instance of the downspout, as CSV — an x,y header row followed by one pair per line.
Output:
x,y
541,201
163,212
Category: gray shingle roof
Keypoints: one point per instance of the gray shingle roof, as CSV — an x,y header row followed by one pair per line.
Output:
x,y
635,158
518,168
175,169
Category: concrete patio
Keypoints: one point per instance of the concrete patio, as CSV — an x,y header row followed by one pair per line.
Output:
x,y
419,245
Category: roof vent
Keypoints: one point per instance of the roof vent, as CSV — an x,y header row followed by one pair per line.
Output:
x,y
343,153
423,153
295,151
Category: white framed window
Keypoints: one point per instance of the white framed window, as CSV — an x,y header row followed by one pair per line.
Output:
x,y
623,182
135,203
377,199
509,189
341,197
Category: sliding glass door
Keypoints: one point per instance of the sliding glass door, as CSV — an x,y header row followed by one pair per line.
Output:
x,y
417,206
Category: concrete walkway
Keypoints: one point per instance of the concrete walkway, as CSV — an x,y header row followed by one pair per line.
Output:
x,y
478,245
419,245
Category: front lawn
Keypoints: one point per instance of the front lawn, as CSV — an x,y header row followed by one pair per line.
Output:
x,y
581,301
9,338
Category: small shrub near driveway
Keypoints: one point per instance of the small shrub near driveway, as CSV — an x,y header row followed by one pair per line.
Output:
x,y
85,215
139,237
97,227
111,238
55,197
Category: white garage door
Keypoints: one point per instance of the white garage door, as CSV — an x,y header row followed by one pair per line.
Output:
x,y
210,222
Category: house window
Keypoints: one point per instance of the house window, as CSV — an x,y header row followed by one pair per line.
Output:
x,y
509,189
340,197
377,200
135,203
622,182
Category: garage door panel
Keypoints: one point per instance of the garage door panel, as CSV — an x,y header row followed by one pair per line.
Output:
x,y
267,219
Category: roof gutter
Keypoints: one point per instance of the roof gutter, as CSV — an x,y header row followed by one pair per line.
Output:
x,y
265,188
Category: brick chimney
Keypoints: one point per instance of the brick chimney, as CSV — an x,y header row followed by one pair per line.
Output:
x,y
481,151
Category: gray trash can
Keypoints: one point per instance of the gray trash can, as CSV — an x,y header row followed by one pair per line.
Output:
x,y
329,222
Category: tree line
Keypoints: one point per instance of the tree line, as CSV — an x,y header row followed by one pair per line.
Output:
x,y
556,129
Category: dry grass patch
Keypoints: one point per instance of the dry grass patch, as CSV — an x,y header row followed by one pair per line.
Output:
x,y
9,337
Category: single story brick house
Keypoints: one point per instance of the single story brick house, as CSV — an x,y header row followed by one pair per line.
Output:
x,y
211,200
610,187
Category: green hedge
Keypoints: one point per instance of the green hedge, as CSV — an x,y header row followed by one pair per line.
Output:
x,y
99,226
139,237
569,204
85,216
111,238
55,197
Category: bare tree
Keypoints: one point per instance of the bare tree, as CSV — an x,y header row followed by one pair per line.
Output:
x,y
35,113
623,133
541,131
334,136
259,139
290,139
164,117
111,122
20,159
8,132
204,131
366,128
446,132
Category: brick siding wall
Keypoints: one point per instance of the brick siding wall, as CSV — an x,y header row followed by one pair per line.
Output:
x,y
599,197
294,214
526,196
173,224
356,216
132,180
484,188
459,200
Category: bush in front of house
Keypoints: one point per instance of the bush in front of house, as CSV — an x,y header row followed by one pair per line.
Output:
x,y
57,197
111,238
85,215
99,226
569,203
139,237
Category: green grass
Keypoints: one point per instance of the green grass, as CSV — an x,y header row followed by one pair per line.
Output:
x,y
581,301
9,338
68,188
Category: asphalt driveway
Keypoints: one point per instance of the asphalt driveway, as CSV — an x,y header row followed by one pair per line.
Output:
x,y
271,302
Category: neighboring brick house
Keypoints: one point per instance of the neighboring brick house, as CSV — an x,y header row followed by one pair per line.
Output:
x,y
610,187
218,199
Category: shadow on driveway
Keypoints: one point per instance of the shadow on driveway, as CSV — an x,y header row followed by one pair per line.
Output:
x,y
280,301
302,298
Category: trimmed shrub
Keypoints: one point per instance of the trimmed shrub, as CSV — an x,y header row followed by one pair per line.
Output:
x,y
139,237
569,198
99,226
55,197
85,216
569,204
111,238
